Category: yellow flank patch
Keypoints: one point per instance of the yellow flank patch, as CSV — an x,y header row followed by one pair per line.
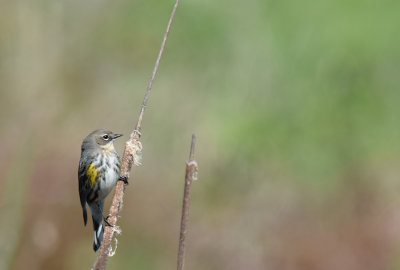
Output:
x,y
91,173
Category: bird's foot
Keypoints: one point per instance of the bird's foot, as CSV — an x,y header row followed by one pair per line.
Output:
x,y
124,179
106,221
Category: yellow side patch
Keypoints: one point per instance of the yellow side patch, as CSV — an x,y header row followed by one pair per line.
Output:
x,y
91,173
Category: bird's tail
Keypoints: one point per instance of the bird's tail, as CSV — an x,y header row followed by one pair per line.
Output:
x,y
98,233
97,217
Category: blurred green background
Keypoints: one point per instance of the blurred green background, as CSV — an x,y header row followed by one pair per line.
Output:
x,y
294,104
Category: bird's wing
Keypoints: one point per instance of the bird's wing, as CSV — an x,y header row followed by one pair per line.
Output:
x,y
84,175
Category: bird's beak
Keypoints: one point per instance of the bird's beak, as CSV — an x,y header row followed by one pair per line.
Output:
x,y
114,136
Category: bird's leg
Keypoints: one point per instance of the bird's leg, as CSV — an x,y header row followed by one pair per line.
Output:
x,y
106,221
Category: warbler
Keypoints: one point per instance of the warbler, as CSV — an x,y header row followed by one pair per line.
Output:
x,y
99,169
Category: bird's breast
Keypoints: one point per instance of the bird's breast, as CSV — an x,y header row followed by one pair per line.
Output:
x,y
109,174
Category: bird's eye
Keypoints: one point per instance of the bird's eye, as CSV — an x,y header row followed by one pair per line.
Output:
x,y
106,137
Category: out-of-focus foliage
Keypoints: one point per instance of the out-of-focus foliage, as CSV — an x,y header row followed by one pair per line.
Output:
x,y
295,105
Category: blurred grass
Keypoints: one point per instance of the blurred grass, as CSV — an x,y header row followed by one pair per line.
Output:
x,y
295,106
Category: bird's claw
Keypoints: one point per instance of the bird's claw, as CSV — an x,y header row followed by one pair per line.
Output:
x,y
124,179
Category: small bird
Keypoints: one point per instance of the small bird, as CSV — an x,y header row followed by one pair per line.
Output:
x,y
99,169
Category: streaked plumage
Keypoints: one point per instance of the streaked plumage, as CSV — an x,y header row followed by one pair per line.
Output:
x,y
99,169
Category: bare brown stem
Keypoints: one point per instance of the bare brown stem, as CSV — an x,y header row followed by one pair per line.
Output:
x,y
153,74
131,156
190,175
